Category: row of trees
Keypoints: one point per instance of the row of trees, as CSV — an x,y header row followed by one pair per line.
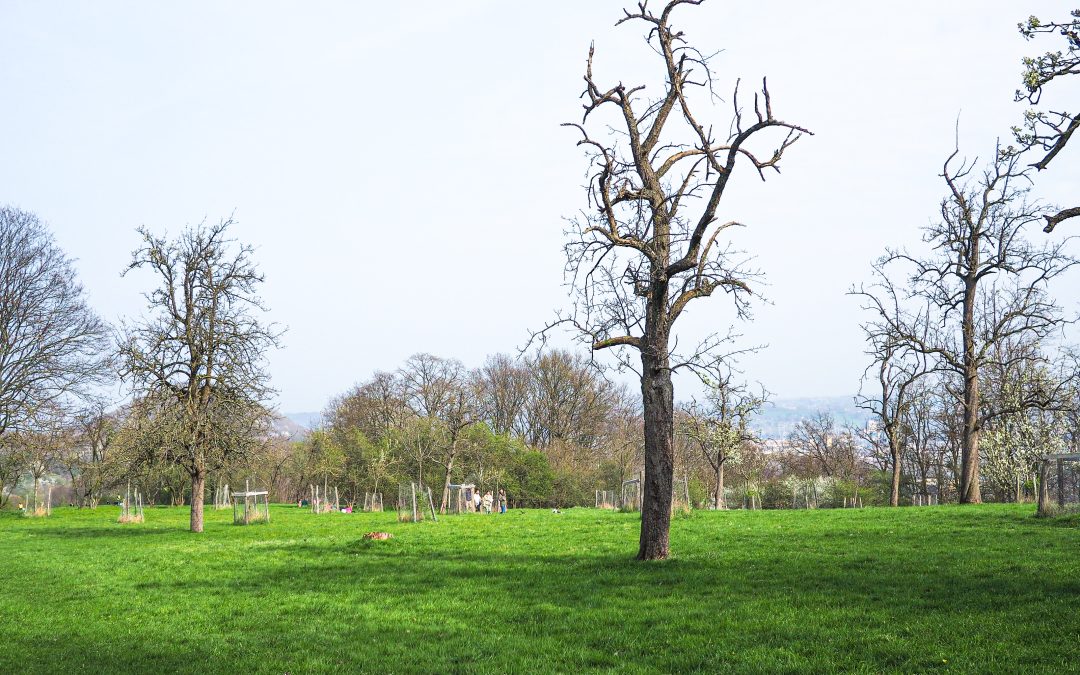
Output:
x,y
544,427
973,314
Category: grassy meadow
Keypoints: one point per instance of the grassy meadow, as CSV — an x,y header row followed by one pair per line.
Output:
x,y
950,589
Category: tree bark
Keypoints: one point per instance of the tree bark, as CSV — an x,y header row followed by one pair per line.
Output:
x,y
969,467
198,488
718,489
657,395
894,495
446,483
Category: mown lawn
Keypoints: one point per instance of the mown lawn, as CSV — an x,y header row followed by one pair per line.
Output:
x,y
960,589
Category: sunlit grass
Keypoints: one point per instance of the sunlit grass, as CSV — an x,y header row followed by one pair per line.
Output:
x,y
986,588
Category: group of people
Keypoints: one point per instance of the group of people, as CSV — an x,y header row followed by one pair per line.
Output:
x,y
485,503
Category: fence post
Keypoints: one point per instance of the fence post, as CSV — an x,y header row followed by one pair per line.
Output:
x,y
1061,482
1042,487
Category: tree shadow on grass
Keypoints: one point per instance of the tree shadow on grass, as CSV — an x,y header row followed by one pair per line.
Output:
x,y
376,594
117,531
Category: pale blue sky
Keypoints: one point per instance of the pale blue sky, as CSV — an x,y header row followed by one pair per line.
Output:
x,y
401,169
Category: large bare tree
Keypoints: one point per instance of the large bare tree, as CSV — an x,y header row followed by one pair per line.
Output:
x,y
197,361
51,342
982,283
650,242
1048,131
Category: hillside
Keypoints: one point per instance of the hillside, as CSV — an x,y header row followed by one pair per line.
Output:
x,y
781,415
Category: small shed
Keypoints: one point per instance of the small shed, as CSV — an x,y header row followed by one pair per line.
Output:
x,y
250,506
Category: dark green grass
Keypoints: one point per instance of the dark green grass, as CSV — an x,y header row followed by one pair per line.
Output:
x,y
974,589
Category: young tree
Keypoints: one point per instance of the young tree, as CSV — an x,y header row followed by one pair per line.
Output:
x,y
983,284
651,243
1049,131
720,426
13,461
51,342
197,362
896,369
45,439
88,459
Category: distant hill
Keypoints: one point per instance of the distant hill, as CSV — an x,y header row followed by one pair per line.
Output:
x,y
287,426
781,415
308,420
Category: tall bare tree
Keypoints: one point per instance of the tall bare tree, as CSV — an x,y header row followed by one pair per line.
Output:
x,y
51,342
1049,131
650,242
197,361
983,283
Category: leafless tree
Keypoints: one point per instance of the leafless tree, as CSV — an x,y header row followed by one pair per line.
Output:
x,y
197,361
1049,131
52,345
87,459
568,401
982,284
432,383
650,242
502,391
438,389
823,445
375,408
45,438
895,369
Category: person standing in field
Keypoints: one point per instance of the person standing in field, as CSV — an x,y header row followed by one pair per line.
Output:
x,y
502,500
476,502
487,502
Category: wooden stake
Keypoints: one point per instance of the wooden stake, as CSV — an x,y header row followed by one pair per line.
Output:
x,y
431,504
1061,482
1042,487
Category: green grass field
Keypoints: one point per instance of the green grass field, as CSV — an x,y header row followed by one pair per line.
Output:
x,y
960,589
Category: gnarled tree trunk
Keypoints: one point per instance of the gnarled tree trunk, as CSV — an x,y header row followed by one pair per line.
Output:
x,y
894,494
718,486
198,490
657,395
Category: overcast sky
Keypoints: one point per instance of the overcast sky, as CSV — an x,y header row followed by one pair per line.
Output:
x,y
401,170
